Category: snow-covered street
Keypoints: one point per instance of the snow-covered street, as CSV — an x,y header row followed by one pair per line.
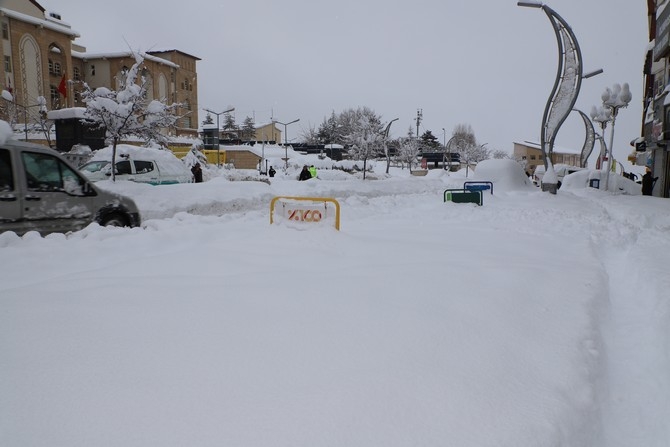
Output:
x,y
533,320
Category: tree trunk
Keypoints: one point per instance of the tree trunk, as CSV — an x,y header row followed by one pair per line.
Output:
x,y
114,141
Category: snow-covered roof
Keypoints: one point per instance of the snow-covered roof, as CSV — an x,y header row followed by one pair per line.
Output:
x,y
120,54
557,149
53,25
174,50
71,112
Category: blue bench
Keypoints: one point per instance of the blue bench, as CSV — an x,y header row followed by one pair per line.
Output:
x,y
478,186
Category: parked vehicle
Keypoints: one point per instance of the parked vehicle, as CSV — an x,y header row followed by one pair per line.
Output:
x,y
561,171
137,164
40,191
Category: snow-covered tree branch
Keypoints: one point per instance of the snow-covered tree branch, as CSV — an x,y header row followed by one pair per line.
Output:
x,y
127,112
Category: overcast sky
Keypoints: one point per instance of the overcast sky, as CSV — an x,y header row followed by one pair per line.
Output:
x,y
488,63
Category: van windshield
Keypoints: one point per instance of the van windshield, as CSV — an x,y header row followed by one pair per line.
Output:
x,y
95,166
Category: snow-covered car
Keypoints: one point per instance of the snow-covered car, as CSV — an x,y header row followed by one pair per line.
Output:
x,y
561,171
137,164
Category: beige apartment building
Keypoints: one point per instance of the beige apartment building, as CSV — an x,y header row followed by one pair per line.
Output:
x,y
40,57
530,156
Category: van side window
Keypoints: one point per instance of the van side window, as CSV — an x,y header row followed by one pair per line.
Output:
x,y
123,167
6,175
47,173
142,167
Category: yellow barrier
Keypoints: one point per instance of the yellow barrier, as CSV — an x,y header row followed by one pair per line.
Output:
x,y
307,215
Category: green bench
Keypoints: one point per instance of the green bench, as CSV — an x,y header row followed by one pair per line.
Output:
x,y
457,195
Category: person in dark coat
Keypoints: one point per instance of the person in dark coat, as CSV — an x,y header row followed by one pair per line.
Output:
x,y
272,172
648,183
196,170
305,174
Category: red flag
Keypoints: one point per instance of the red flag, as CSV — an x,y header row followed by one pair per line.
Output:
x,y
62,87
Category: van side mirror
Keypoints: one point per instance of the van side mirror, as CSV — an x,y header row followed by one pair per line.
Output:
x,y
88,190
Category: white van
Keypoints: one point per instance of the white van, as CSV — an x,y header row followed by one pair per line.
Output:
x,y
137,164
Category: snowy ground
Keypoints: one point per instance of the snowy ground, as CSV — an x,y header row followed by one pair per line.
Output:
x,y
534,320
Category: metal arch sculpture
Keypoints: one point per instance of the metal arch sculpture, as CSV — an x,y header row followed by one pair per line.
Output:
x,y
568,80
589,141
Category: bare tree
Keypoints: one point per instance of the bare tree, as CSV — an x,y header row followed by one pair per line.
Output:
x,y
499,154
128,112
310,135
408,150
365,137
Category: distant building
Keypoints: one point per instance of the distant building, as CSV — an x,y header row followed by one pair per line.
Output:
x,y
41,59
652,149
530,155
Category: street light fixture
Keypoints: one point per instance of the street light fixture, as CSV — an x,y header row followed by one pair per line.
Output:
x,y
601,116
530,4
614,99
218,114
286,138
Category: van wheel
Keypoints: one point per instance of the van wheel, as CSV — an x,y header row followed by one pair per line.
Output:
x,y
114,220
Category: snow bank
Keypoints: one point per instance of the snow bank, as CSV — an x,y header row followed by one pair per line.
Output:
x,y
506,175
617,183
5,132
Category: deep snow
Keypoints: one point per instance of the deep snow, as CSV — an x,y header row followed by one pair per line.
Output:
x,y
534,320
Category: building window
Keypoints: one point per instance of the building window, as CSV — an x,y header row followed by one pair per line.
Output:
x,y
57,69
55,97
8,64
532,157
51,66
659,83
5,30
76,74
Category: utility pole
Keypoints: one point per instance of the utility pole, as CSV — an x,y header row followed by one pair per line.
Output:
x,y
419,117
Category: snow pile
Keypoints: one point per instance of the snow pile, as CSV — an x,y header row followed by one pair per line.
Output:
x,y
506,175
5,132
617,183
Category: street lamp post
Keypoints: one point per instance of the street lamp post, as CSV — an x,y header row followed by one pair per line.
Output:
x,y
286,138
218,114
614,99
601,116
444,154
448,147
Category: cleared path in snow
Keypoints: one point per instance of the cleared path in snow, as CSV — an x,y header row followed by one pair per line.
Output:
x,y
636,406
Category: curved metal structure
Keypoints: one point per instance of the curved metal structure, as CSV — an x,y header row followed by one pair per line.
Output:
x,y
566,87
568,79
589,141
